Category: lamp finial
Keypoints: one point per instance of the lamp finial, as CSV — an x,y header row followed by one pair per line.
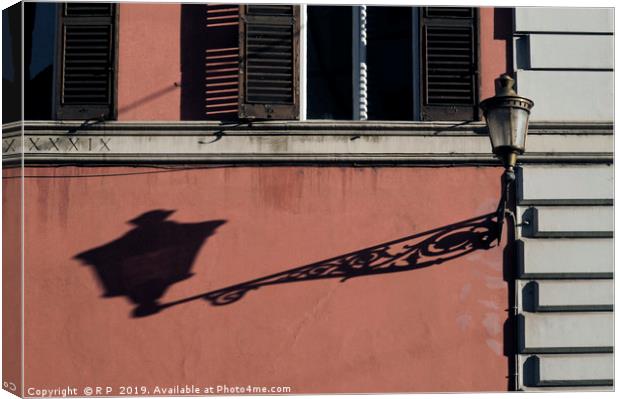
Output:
x,y
506,86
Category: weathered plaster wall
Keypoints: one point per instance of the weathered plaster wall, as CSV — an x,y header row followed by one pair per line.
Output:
x,y
435,328
152,47
11,279
149,69
495,47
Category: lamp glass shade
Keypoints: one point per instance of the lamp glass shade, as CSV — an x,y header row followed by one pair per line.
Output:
x,y
507,128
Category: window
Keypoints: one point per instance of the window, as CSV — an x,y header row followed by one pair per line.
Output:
x,y
40,25
269,65
70,62
406,64
329,69
449,63
221,62
85,73
251,62
389,60
11,59
246,62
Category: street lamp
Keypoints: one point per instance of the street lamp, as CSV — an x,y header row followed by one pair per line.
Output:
x,y
507,116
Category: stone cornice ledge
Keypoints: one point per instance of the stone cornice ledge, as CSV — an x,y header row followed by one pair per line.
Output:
x,y
374,142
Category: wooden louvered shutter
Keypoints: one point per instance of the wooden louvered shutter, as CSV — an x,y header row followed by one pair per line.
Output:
x,y
269,51
449,63
222,61
87,61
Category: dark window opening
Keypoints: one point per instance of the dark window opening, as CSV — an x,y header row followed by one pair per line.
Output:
x,y
329,65
389,60
11,63
39,36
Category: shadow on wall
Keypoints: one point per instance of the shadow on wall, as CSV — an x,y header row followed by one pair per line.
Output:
x,y
143,263
193,50
147,260
502,30
425,249
209,62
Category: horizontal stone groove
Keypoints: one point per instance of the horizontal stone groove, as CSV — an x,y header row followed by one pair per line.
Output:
x,y
301,127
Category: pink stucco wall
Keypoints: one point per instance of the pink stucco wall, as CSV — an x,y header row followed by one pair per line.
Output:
x,y
149,69
11,279
434,328
495,47
150,58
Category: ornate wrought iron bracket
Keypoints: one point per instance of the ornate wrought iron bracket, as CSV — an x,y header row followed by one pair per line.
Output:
x,y
508,179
